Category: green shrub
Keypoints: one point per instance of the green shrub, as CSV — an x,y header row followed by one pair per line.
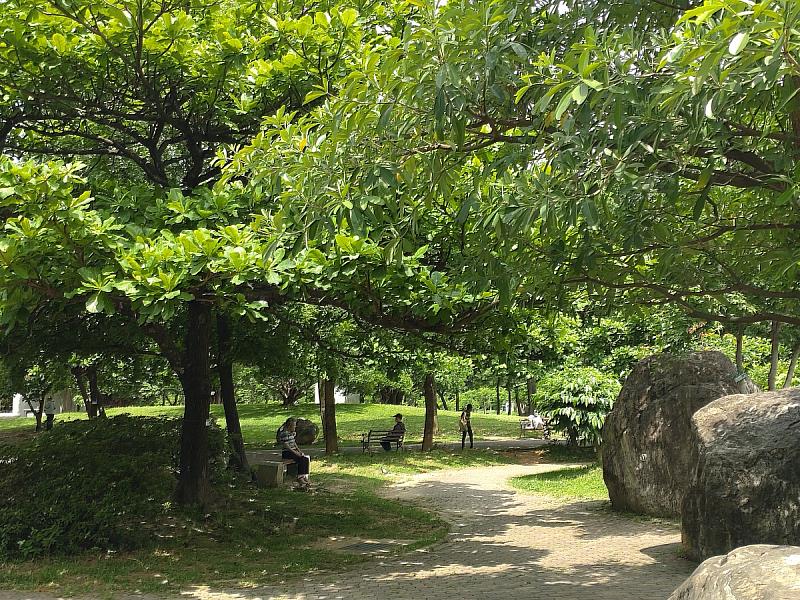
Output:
x,y
96,484
577,400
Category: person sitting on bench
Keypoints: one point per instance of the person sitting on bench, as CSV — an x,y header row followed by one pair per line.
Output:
x,y
397,432
292,452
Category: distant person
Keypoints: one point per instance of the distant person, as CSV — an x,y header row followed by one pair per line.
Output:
x,y
465,424
292,452
397,432
50,409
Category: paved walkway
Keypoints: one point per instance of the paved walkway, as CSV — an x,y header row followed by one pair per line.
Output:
x,y
503,546
506,546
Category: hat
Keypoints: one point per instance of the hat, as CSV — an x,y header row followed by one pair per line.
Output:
x,y
398,415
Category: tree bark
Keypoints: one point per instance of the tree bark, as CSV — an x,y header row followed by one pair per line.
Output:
x,y
508,394
530,389
391,395
774,355
328,401
457,402
77,373
94,392
497,394
739,351
792,366
443,399
193,483
516,402
430,412
238,458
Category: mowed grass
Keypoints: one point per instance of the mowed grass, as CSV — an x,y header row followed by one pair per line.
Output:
x,y
260,421
394,466
584,482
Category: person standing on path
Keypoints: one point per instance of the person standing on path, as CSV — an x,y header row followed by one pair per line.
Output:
x,y
465,424
292,452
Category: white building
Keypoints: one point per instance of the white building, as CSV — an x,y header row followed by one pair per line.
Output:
x,y
340,396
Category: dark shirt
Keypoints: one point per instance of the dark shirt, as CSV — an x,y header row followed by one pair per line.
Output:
x,y
397,432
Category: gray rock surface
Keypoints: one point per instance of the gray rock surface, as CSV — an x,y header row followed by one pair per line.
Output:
x,y
646,465
745,488
758,572
306,432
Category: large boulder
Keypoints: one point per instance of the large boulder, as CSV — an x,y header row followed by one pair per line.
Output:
x,y
746,485
305,432
757,572
646,465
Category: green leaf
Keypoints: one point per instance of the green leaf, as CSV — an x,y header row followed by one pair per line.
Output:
x,y
563,104
313,95
348,16
580,92
739,42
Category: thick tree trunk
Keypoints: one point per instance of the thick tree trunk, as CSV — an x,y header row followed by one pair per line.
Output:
x,y
792,366
774,355
497,396
193,483
328,401
290,392
739,351
238,458
430,412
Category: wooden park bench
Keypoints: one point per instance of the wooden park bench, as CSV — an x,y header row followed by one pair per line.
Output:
x,y
532,425
376,436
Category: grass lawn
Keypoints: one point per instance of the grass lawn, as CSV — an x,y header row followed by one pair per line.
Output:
x,y
252,537
260,421
577,482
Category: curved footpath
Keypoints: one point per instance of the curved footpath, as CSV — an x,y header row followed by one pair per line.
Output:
x,y
503,545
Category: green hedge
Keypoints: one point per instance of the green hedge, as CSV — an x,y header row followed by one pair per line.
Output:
x,y
95,484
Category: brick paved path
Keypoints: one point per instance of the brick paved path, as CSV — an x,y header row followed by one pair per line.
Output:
x,y
505,546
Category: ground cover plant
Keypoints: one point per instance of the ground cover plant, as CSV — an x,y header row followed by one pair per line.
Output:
x,y
90,510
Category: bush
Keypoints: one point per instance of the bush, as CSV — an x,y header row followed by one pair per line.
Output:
x,y
577,400
95,484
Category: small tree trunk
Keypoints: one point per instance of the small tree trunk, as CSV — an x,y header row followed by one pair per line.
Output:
x,y
774,355
228,395
530,389
37,413
94,393
443,399
329,417
739,351
792,366
508,393
430,412
457,402
193,484
497,394
516,402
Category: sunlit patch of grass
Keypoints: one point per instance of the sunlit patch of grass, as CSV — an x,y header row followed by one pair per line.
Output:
x,y
393,465
574,482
